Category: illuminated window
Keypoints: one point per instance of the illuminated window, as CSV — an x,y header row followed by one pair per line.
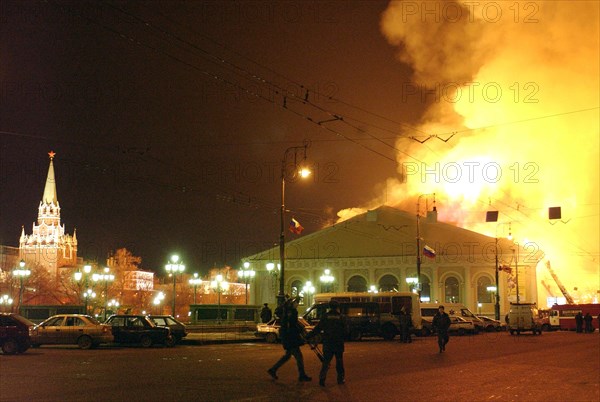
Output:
x,y
451,290
483,295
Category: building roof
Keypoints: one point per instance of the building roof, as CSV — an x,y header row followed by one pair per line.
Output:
x,y
49,196
387,232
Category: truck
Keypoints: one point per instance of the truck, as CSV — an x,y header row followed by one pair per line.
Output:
x,y
523,317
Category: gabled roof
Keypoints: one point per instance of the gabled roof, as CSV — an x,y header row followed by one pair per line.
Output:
x,y
386,232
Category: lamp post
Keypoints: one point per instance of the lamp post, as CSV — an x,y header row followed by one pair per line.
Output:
x,y
219,285
21,273
517,270
195,281
157,300
85,276
303,172
418,283
373,289
174,267
115,304
247,274
6,300
327,279
497,304
274,273
309,289
88,294
412,282
105,277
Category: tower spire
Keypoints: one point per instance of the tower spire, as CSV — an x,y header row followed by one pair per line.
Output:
x,y
50,189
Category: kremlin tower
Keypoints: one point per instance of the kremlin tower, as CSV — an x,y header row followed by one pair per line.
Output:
x,y
48,246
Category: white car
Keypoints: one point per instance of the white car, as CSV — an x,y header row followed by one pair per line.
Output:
x,y
491,325
270,330
71,329
461,326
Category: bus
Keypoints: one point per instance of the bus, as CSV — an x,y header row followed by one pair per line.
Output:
x,y
380,310
562,316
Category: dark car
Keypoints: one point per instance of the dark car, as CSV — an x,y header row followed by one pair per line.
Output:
x,y
178,329
14,333
139,329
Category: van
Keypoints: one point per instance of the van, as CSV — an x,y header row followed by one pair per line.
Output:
x,y
428,310
523,317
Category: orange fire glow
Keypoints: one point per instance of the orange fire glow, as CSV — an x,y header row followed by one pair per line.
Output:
x,y
521,91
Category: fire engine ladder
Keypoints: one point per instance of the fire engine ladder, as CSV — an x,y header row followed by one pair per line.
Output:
x,y
560,285
547,287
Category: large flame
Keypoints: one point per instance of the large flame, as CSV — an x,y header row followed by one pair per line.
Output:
x,y
521,92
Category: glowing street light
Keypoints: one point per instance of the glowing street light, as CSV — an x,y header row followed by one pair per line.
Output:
x,y
246,273
219,285
21,273
373,289
6,300
157,300
308,289
174,267
303,172
327,279
195,281
85,276
104,277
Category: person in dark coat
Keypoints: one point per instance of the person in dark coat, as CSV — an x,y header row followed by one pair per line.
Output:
x,y
290,333
579,322
405,324
265,313
588,322
441,323
332,328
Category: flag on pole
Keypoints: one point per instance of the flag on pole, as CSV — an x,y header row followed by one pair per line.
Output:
x,y
428,252
295,226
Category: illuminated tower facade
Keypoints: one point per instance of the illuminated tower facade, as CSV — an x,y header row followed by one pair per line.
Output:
x,y
48,245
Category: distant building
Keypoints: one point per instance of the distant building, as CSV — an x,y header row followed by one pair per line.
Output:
x,y
48,245
378,248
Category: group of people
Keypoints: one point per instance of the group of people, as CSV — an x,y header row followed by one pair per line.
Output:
x,y
581,320
332,329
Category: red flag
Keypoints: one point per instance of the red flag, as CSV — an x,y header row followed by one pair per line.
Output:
x,y
295,226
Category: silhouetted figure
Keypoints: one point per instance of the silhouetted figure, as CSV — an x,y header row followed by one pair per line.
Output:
x,y
405,324
441,323
332,328
265,313
579,322
291,339
588,323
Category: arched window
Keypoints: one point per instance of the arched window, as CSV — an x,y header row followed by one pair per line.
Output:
x,y
425,289
483,295
357,284
451,290
388,283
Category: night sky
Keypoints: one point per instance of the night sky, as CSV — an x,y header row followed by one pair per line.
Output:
x,y
165,140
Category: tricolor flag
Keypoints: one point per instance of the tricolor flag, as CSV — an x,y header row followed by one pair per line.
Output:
x,y
428,252
295,226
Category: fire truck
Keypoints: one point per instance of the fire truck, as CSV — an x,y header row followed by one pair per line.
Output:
x,y
562,316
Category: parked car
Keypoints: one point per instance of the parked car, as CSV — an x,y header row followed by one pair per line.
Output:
x,y
492,325
458,325
14,333
178,329
71,329
270,331
139,329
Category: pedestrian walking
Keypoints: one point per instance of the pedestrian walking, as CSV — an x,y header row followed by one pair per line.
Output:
x,y
405,324
441,323
588,323
332,328
265,313
291,339
579,322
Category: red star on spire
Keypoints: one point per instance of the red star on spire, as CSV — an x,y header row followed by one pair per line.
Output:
x,y
51,154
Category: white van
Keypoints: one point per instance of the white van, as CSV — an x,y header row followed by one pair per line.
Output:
x,y
428,310
523,317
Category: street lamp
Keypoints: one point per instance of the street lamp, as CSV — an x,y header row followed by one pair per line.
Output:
x,y
303,172
274,273
373,289
88,294
157,300
174,267
85,276
219,285
247,274
327,279
6,300
309,289
195,281
509,237
105,277
21,273
115,304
